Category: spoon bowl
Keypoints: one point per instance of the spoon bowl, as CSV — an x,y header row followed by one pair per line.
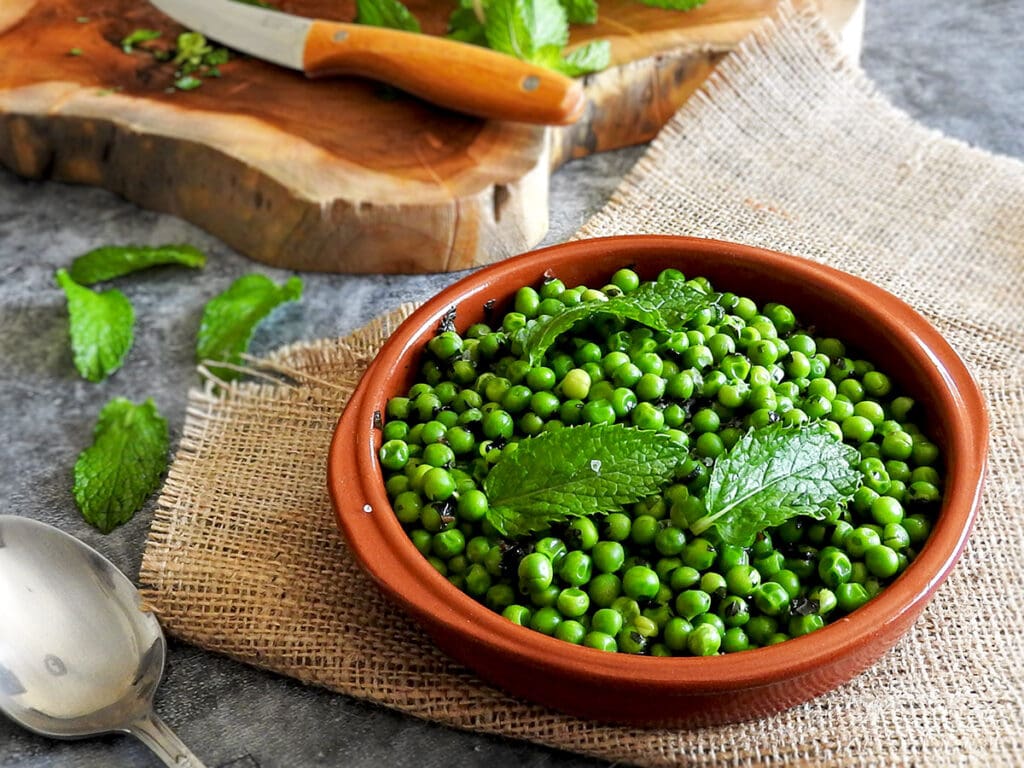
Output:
x,y
78,655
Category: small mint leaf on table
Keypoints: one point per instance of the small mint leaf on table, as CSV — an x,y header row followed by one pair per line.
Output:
x,y
577,471
117,473
773,474
661,306
386,13
101,328
230,319
114,261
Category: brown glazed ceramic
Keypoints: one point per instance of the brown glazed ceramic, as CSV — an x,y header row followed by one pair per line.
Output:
x,y
667,691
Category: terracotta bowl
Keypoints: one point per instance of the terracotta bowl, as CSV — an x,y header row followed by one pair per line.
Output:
x,y
668,691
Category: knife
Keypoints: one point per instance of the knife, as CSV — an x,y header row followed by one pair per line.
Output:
x,y
463,77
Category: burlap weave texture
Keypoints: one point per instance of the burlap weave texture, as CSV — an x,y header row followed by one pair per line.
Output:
x,y
788,148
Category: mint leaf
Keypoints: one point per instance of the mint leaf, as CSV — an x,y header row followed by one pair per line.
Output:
x,y
101,328
117,473
465,25
230,319
577,471
138,36
526,29
549,25
508,27
675,5
386,13
580,11
773,474
661,306
592,57
112,261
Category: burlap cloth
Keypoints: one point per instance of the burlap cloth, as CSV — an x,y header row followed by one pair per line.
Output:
x,y
788,147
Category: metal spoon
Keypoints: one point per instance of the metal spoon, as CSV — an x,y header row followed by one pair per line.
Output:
x,y
78,656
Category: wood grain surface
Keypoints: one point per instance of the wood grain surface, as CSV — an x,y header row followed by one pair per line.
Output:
x,y
337,174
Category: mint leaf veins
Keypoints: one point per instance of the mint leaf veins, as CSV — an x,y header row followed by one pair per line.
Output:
x,y
773,474
230,319
577,471
117,473
101,328
114,261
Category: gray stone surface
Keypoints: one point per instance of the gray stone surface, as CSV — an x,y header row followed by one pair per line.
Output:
x,y
957,68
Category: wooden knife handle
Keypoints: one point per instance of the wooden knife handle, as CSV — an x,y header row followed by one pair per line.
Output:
x,y
463,77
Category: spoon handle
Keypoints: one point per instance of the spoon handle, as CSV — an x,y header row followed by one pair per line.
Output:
x,y
154,733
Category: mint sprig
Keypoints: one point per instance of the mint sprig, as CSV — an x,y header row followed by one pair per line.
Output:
x,y
577,471
769,475
660,306
773,474
112,261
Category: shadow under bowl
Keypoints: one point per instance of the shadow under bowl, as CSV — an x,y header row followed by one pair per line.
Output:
x,y
644,690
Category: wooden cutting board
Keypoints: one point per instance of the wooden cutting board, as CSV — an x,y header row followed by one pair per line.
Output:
x,y
333,175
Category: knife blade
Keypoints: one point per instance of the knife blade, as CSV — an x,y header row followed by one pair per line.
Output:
x,y
462,77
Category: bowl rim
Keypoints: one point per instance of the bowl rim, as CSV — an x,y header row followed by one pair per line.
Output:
x,y
388,555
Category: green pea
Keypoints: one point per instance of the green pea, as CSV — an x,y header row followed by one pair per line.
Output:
x,y
640,582
734,610
623,401
692,602
571,631
735,640
699,553
771,598
573,602
607,620
394,454
886,510
604,589
835,568
553,548
882,561
546,620
861,540
851,596
576,568
616,526
608,556
477,580
438,484
742,580
598,412
601,641
499,596
582,533
647,416
704,640
518,614
714,584
535,571
804,625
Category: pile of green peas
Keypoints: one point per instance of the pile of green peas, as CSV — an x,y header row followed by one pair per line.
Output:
x,y
637,580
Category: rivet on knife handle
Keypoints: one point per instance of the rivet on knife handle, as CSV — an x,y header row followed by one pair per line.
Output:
x,y
463,77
